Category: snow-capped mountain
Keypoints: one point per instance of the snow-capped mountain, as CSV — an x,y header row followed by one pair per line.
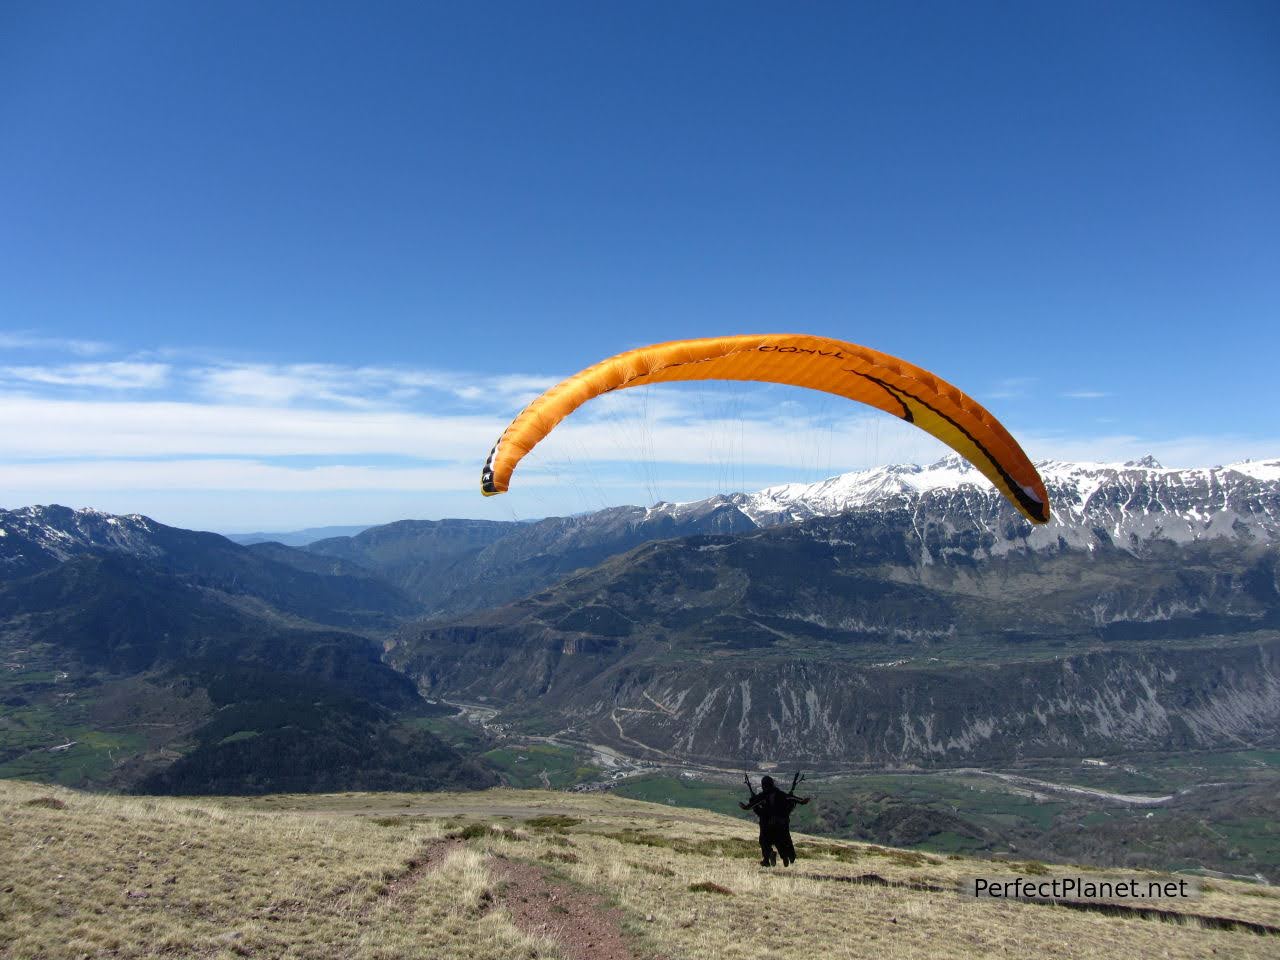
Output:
x,y
33,538
1122,503
450,566
41,539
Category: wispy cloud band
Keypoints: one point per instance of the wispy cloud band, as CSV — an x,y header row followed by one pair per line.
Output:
x,y
109,430
25,340
116,375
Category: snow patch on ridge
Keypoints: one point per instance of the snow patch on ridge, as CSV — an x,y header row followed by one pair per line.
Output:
x,y
1266,470
1133,502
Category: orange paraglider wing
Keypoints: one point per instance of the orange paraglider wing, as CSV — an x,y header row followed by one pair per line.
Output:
x,y
834,366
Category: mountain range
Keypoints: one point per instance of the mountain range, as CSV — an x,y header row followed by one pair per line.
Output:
x,y
902,615
137,655
905,615
455,566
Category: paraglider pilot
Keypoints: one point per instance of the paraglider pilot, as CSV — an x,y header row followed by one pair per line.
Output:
x,y
774,807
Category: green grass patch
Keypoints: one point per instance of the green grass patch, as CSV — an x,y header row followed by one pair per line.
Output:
x,y
559,856
557,823
90,758
541,765
454,731
685,792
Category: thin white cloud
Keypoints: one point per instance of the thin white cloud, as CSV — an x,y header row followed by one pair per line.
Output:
x,y
39,427
667,429
1086,394
1011,387
514,391
261,384
85,478
115,375
541,487
24,340
359,387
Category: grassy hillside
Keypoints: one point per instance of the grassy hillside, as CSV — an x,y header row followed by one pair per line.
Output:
x,y
521,874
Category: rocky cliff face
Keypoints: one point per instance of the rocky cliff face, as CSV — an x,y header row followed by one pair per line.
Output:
x,y
838,715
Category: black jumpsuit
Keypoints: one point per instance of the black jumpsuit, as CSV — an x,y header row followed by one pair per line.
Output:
x,y
774,807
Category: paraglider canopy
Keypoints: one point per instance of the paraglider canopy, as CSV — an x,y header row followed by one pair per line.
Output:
x,y
818,363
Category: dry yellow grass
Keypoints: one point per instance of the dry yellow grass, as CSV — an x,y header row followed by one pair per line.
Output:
x,y
130,877
326,877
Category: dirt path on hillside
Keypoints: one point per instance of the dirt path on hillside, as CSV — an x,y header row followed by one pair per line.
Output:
x,y
578,922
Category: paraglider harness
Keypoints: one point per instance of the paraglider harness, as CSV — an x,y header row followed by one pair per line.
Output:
x,y
774,807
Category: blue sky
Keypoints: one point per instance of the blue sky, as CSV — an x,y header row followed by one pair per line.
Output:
x,y
278,265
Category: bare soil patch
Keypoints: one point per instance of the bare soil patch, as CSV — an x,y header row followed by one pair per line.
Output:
x,y
579,922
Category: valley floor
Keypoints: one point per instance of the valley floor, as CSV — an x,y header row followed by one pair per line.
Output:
x,y
527,874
